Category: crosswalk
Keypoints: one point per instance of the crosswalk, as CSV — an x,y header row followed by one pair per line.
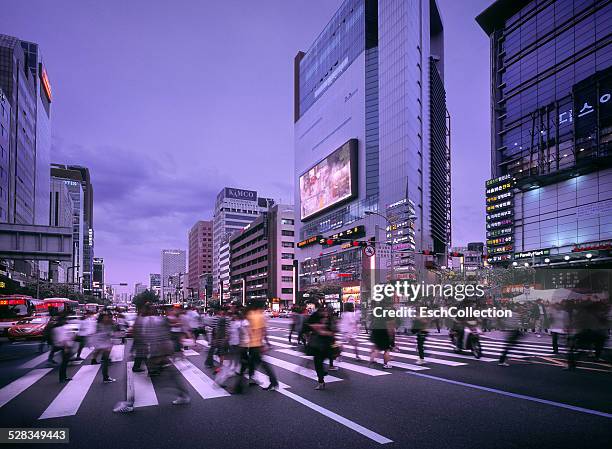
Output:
x,y
283,356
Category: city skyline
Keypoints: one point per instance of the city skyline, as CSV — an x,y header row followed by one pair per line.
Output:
x,y
141,175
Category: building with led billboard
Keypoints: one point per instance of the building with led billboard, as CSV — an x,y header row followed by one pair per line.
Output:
x,y
371,131
549,201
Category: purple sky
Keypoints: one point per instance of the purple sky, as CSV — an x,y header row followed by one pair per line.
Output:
x,y
168,104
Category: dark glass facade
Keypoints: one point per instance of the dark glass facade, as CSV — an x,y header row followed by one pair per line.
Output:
x,y
551,90
19,86
544,53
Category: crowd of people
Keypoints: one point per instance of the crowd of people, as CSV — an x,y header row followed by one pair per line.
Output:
x,y
237,338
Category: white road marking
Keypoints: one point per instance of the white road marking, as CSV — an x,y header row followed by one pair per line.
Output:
x,y
18,386
205,386
140,388
190,353
301,370
394,363
68,401
517,396
33,363
348,366
339,419
117,352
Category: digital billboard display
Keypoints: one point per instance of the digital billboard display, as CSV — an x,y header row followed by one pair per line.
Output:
x,y
329,182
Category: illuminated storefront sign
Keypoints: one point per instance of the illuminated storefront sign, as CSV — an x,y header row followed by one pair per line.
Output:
x,y
44,80
593,246
336,239
351,294
309,241
498,232
534,253
499,241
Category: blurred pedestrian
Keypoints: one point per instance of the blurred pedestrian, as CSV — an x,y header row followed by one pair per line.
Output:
x,y
512,326
382,335
62,341
102,340
320,342
87,327
349,326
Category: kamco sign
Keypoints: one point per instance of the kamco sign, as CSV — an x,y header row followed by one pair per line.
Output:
x,y
240,194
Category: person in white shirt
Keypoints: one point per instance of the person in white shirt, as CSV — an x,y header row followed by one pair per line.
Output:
x,y
87,327
62,339
349,325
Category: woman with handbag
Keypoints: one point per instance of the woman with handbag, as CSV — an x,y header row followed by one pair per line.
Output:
x,y
320,342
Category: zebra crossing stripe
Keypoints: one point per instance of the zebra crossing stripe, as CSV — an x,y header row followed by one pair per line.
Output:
x,y
348,366
140,389
18,386
190,353
33,363
205,386
68,401
301,370
117,352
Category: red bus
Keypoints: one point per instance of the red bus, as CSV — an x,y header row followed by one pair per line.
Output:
x,y
53,306
14,308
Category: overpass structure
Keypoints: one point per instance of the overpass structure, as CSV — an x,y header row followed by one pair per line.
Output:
x,y
33,242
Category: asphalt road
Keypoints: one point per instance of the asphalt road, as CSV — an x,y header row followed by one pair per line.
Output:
x,y
452,402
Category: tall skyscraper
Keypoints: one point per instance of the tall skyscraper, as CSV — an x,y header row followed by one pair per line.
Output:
x,y
5,130
371,132
60,214
98,277
549,201
73,175
200,252
75,190
234,209
173,266
155,283
26,87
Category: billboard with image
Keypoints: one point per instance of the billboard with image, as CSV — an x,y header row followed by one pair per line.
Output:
x,y
331,181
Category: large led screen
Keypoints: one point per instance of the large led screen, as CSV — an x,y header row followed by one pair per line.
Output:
x,y
329,182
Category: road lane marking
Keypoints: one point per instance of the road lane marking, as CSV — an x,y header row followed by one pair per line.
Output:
x,y
190,353
393,363
140,389
348,366
33,363
339,419
517,396
262,379
301,370
18,386
116,354
206,387
68,401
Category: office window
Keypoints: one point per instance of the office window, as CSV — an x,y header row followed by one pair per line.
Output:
x,y
288,244
287,291
287,278
287,221
287,267
287,233
287,256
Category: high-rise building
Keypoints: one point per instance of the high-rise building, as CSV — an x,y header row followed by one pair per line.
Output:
x,y
5,130
549,201
26,88
261,258
98,277
234,209
224,267
200,252
60,214
371,131
79,183
139,288
173,265
75,190
155,283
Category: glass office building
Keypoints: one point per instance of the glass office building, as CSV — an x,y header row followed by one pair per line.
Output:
x,y
371,130
550,197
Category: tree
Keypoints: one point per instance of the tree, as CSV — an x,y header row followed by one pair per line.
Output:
x,y
147,296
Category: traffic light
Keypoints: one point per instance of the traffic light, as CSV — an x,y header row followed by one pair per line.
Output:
x,y
456,254
357,243
427,252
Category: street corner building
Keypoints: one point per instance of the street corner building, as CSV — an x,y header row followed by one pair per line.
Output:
x,y
549,202
372,153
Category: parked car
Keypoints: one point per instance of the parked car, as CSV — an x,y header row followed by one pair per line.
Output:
x,y
30,328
